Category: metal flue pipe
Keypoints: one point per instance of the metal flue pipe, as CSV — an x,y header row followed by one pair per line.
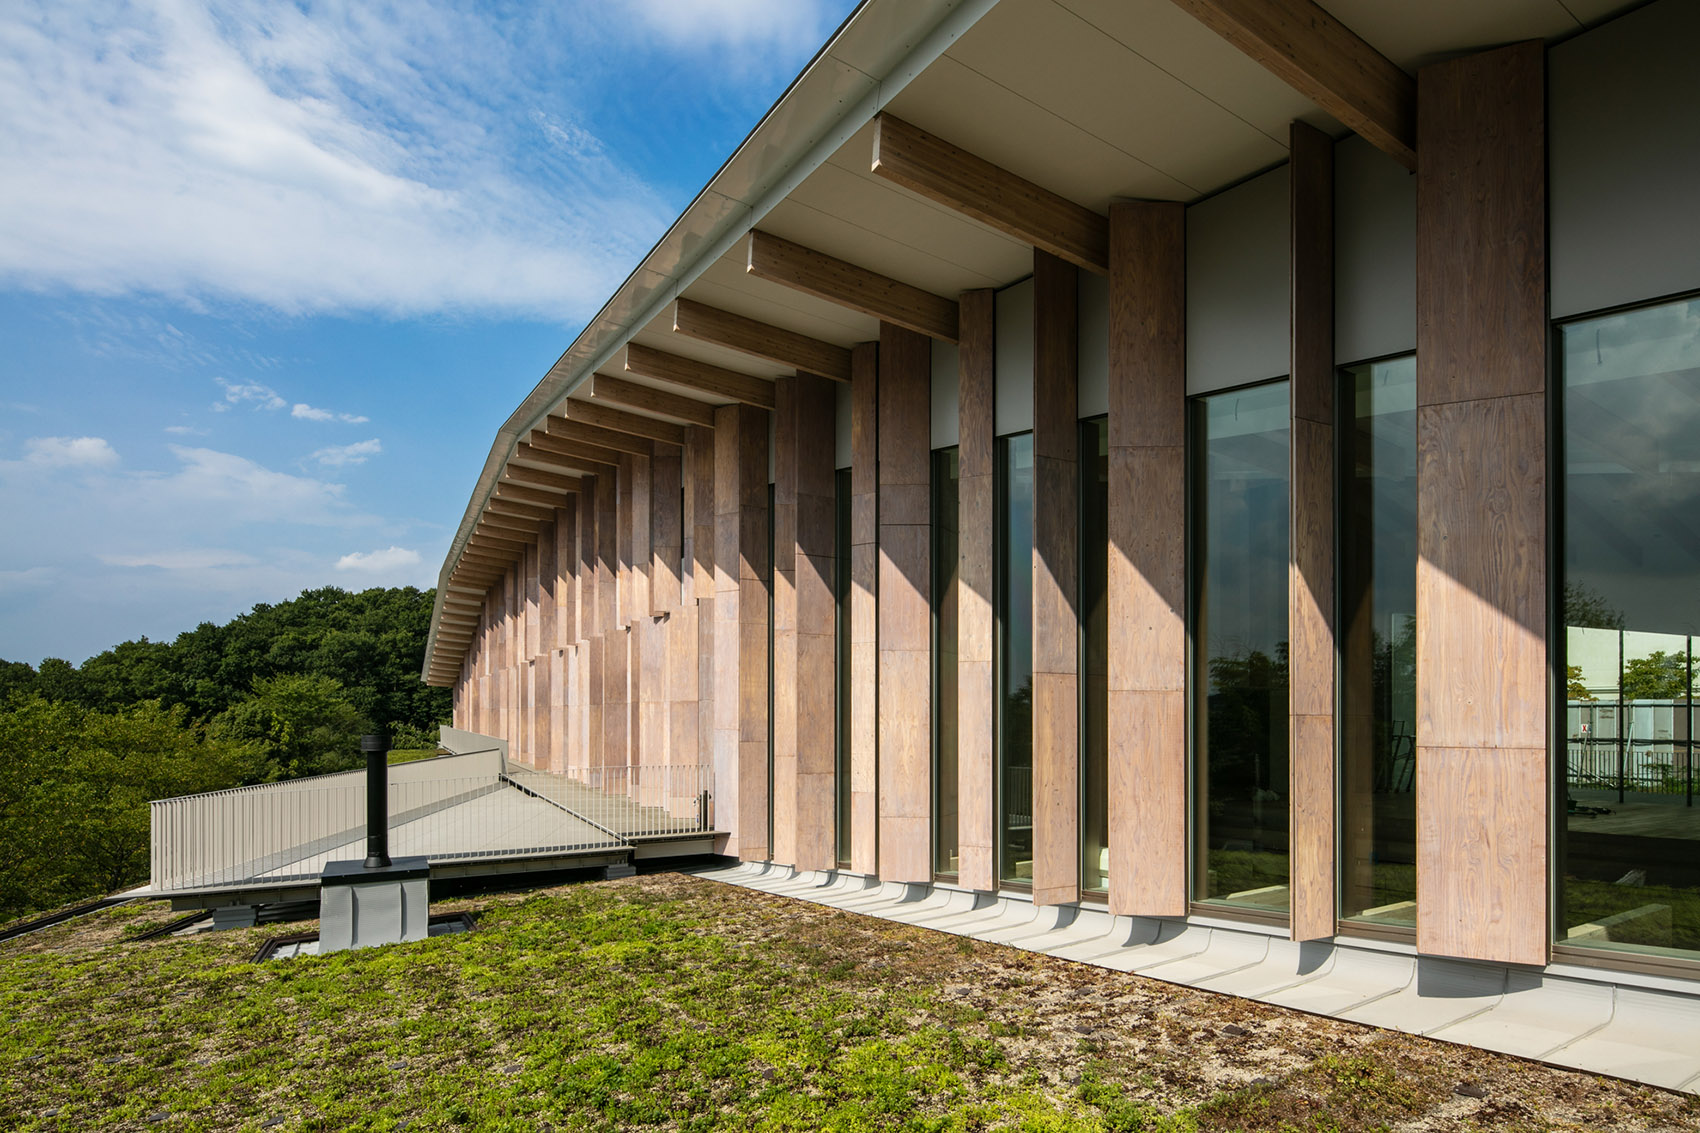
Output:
x,y
377,749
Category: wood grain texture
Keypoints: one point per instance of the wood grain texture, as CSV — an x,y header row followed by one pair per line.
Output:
x,y
666,518
1324,60
816,685
607,555
699,512
1146,574
1483,771
1056,582
904,610
1312,657
864,623
785,692
1481,227
643,549
704,377
566,568
777,260
624,483
923,163
761,340
742,579
976,388
620,421
540,446
621,394
580,432
526,475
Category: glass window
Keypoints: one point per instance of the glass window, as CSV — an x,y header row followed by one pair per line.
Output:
x,y
1630,832
841,630
946,572
1378,634
1015,658
1094,655
1239,559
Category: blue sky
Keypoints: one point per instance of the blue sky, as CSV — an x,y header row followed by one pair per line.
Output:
x,y
271,275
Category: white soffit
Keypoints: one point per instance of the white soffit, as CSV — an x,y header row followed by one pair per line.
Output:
x,y
730,287
1415,34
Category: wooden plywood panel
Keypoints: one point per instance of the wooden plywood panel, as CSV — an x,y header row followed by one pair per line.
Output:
x,y
1146,573
699,505
666,528
566,570
864,592
1056,582
1481,226
816,628
904,612
607,555
1310,609
977,379
741,634
785,693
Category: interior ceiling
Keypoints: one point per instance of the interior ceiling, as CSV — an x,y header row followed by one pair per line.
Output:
x,y
1096,100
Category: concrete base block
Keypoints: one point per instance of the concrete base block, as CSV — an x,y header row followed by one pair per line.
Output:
x,y
361,907
234,916
623,869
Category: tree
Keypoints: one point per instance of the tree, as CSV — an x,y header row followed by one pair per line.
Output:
x,y
1575,689
300,724
1657,676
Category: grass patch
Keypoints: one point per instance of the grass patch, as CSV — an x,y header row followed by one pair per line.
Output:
x,y
669,1003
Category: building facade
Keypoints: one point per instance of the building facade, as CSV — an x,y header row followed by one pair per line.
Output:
x,y
1211,457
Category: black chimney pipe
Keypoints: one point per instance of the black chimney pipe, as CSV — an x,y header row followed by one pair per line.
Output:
x,y
377,749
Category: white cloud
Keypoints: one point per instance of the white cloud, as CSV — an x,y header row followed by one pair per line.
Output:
x,y
243,491
339,455
33,578
249,393
309,413
714,24
205,559
377,562
185,431
70,452
320,158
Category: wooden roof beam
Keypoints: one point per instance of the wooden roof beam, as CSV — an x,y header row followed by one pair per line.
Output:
x,y
545,449
556,425
619,392
550,498
539,478
618,420
778,260
705,377
538,514
922,163
760,340
1326,61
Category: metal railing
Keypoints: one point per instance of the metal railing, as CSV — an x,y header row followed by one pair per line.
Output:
x,y
631,802
1660,767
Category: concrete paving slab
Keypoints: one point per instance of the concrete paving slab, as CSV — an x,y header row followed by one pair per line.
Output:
x,y
1226,952
1046,920
988,909
1175,940
1285,964
1444,992
1537,1015
1653,1037
1090,926
1124,932
951,903
1356,978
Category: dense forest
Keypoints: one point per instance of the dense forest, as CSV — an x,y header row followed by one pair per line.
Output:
x,y
280,692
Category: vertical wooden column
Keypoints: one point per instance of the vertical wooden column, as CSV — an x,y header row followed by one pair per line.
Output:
x,y
976,702
566,632
1482,762
1310,579
1056,581
639,601
741,571
543,655
699,518
905,609
785,695
1147,570
864,608
666,526
816,406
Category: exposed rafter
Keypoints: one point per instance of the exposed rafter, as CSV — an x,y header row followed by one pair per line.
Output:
x,y
548,498
539,478
909,156
718,381
761,340
619,421
584,433
545,449
778,260
1325,61
631,395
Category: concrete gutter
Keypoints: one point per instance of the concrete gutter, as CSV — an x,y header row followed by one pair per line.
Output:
x,y
872,57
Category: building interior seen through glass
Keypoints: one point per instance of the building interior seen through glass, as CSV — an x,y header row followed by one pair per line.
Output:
x,y
1377,641
1094,655
1014,569
946,577
1241,442
1630,830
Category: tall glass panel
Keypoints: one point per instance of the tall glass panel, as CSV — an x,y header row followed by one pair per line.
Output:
x,y
841,630
946,572
1378,636
1015,658
1240,549
1631,607
1094,655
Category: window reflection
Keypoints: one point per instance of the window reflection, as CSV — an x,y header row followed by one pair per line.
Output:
x,y
946,573
1015,658
1094,655
1378,602
1240,551
1631,609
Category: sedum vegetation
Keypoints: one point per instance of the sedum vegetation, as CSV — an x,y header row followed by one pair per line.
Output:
x,y
669,1003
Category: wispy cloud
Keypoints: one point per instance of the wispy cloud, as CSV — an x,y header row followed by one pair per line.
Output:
x,y
185,431
388,560
707,25
248,393
308,413
202,559
70,452
337,456
31,578
307,160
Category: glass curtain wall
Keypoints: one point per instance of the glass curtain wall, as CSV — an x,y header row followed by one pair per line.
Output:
x,y
1094,655
1630,830
1240,476
946,573
841,631
1014,663
1378,631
